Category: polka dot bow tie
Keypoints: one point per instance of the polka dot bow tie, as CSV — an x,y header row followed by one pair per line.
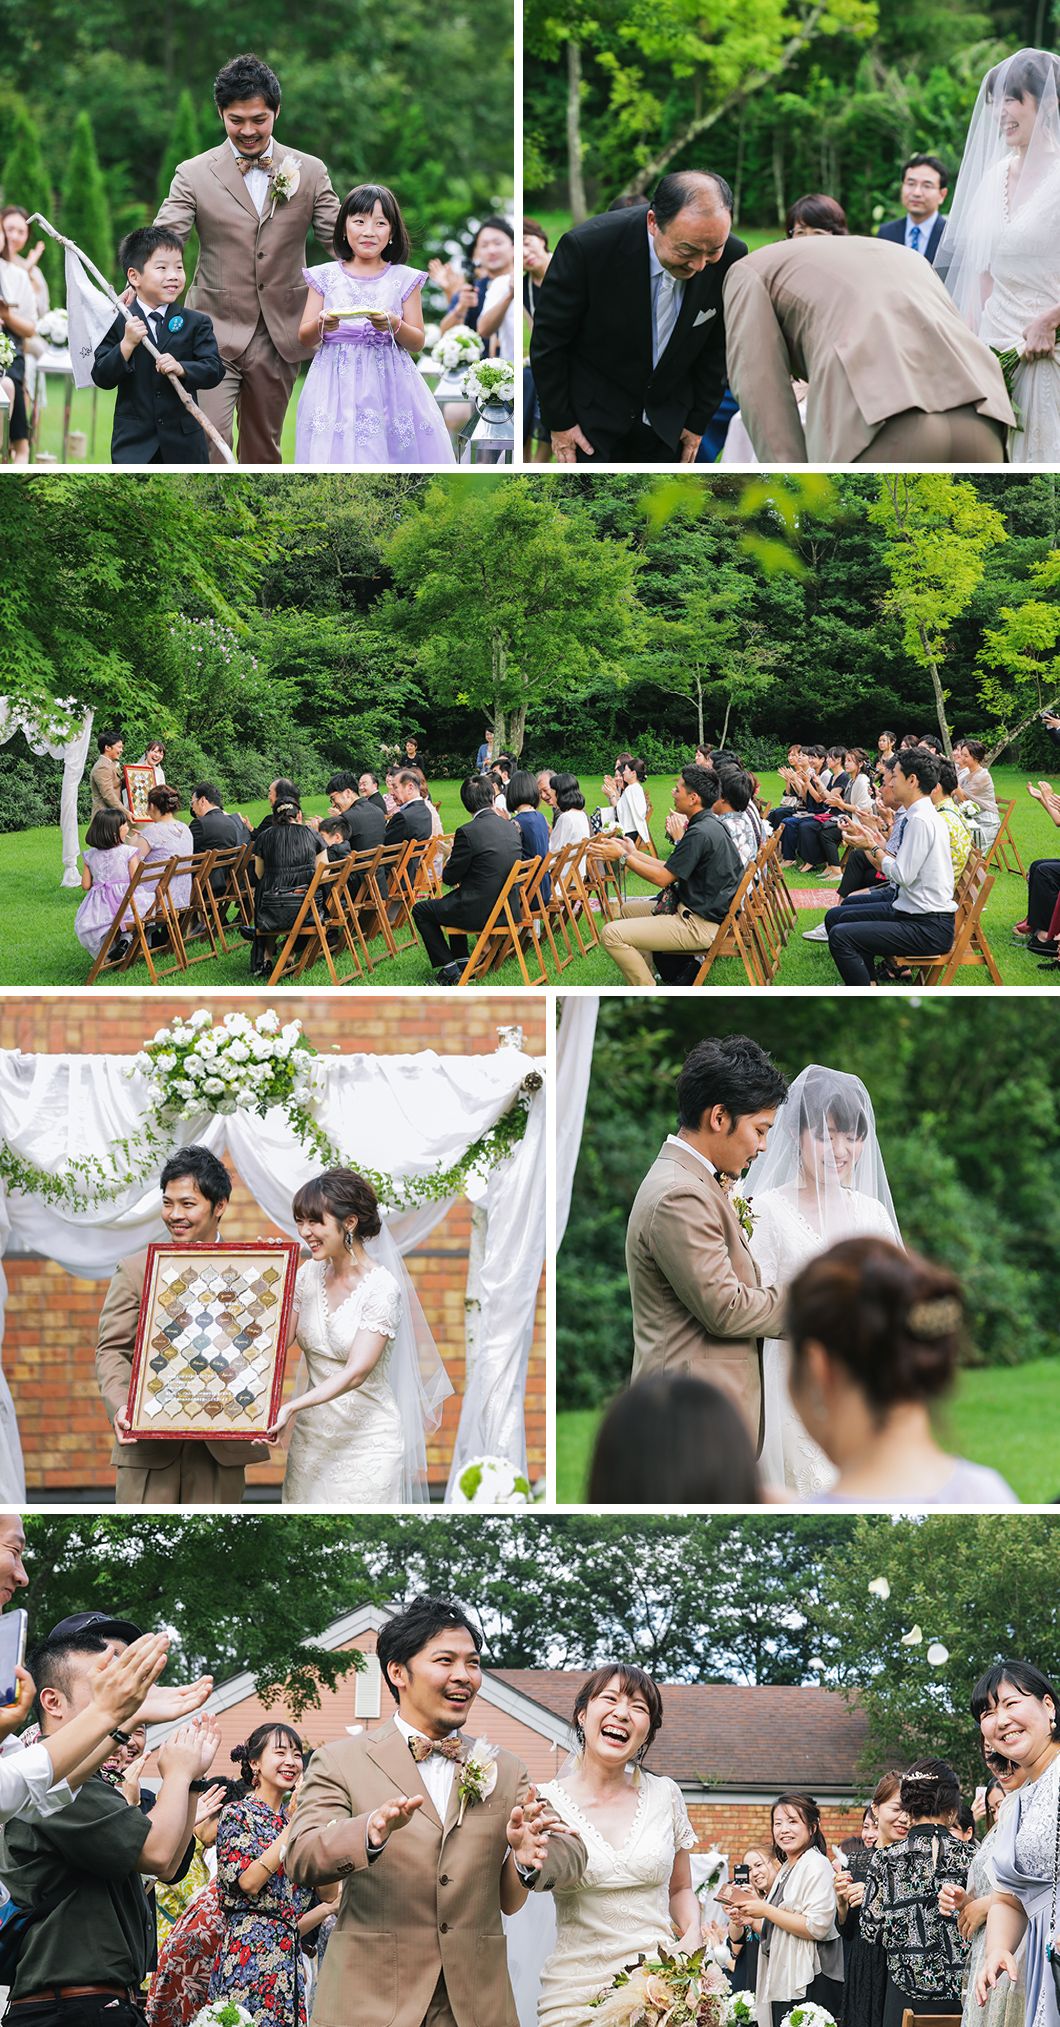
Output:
x,y
245,163
422,1748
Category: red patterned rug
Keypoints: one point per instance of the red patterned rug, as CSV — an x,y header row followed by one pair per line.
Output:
x,y
814,897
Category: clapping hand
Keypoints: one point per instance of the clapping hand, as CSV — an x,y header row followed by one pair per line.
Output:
x,y
208,1804
606,848
121,1682
529,1827
190,1752
676,826
392,1816
165,1706
13,1715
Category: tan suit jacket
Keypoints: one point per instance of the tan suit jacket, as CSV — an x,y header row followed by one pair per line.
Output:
x,y
107,783
428,1906
115,1345
250,267
698,1306
869,327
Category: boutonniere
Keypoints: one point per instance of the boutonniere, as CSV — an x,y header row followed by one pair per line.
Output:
x,y
742,1207
285,180
477,1777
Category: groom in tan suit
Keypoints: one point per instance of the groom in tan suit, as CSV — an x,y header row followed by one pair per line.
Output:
x,y
698,1306
895,375
252,247
419,1941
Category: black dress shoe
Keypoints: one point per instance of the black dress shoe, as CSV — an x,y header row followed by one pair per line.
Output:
x,y
448,975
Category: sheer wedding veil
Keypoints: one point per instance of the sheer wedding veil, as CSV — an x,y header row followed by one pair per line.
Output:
x,y
1010,156
822,1148
417,1378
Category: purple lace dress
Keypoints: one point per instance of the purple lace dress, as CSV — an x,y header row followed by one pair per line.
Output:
x,y
364,401
110,876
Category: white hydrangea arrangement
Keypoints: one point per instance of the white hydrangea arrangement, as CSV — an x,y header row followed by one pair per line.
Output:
x,y
491,380
490,1481
54,328
223,2013
458,347
808,2015
195,1066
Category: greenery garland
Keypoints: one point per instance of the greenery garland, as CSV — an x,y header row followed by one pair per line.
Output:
x,y
242,1065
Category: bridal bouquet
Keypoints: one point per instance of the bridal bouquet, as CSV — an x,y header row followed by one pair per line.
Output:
x,y
194,1066
665,1990
491,380
490,1481
458,347
55,329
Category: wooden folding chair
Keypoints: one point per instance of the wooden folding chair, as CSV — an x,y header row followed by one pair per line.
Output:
x,y
777,889
504,934
385,875
556,913
144,904
603,882
359,901
737,936
1003,848
969,937
233,862
197,919
410,882
911,2019
569,882
320,915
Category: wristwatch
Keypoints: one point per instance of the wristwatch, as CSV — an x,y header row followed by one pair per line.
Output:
x,y
529,1874
122,1737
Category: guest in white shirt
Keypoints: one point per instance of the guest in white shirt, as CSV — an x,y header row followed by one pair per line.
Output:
x,y
571,821
624,790
917,918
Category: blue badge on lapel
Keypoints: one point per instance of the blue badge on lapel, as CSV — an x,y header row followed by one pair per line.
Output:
x,y
175,324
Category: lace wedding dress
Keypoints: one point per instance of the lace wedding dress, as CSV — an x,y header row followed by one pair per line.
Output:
x,y
621,1907
349,1451
783,1242
1025,277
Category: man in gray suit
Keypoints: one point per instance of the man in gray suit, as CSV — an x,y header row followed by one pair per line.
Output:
x,y
698,1306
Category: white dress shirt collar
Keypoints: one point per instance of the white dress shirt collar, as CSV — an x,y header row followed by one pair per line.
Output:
x,y
435,1773
675,1140
927,227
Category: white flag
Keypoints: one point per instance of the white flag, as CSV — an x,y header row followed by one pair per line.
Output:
x,y
90,315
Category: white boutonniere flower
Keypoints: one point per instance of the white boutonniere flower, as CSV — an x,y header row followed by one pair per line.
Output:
x,y
285,180
477,1777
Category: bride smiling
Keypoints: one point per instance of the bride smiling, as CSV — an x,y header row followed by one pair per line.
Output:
x,y
376,1381
636,1891
820,1179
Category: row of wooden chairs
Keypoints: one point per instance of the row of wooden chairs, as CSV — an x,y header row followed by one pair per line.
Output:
x,y
356,912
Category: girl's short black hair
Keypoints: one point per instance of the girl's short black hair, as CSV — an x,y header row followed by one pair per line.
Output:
x,y
673,1440
105,829
343,1193
1021,1675
359,204
522,788
407,1633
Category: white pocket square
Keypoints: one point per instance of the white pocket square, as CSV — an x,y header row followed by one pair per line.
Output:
x,y
703,318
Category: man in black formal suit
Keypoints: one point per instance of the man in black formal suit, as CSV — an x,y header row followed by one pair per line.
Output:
x,y
924,192
628,346
215,829
412,818
484,852
368,789
151,423
364,817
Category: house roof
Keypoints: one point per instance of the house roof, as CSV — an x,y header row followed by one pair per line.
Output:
x,y
729,1735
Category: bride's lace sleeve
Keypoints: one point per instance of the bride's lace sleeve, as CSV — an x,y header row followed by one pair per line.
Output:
x,y
685,1838
382,1305
765,1240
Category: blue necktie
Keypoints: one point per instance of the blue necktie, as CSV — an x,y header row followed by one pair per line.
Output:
x,y
914,238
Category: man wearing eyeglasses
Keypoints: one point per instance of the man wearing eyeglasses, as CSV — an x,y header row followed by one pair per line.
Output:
x,y
924,192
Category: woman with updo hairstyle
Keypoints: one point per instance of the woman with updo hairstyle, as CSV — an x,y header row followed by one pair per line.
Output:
x,y
285,857
865,1963
1017,1709
636,1891
816,217
876,1334
800,1957
166,837
348,1443
259,1964
905,1897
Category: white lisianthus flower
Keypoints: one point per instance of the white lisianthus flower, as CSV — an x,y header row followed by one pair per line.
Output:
x,y
238,1052
268,1023
937,1654
142,1062
207,1045
185,1088
194,1066
162,1035
166,1062
213,1087
227,1105
291,1032
236,1023
201,1018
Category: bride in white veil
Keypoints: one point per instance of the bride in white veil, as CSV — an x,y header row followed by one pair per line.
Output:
x,y
1000,254
821,1179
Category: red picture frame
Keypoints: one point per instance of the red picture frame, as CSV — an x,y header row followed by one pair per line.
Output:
x,y
139,780
178,1345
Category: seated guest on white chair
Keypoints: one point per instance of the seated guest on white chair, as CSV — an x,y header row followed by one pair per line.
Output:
x,y
484,852
919,920
698,882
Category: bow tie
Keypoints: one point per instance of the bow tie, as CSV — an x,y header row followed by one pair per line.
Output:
x,y
422,1748
245,163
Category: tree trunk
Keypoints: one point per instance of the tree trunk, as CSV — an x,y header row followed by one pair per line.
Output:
x,y
499,659
778,173
575,173
658,165
1009,738
516,730
725,727
936,684
737,179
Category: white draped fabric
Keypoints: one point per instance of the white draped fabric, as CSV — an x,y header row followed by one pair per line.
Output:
x,y
404,1115
73,752
574,1062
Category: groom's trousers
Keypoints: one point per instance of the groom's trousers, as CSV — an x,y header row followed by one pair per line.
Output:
x,y
439,2013
956,436
255,392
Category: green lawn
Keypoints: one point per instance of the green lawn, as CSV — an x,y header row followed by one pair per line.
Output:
x,y
1002,1416
38,945
81,412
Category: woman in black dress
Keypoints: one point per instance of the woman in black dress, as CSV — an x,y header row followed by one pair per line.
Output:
x,y
866,1964
284,858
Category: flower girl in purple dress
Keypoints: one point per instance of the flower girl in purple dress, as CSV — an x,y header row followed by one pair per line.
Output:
x,y
364,400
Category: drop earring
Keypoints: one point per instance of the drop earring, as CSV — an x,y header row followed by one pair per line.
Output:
x,y
347,1238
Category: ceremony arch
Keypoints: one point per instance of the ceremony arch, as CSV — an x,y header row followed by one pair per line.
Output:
x,y
72,750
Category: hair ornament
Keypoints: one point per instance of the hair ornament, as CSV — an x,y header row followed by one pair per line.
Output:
x,y
939,1316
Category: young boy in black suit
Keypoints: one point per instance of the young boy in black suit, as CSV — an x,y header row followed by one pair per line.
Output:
x,y
151,423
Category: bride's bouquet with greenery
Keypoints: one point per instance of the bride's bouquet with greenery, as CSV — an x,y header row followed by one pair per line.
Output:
x,y
668,1989
223,2013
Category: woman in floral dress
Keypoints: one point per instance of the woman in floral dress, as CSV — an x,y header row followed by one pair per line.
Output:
x,y
259,1964
190,1935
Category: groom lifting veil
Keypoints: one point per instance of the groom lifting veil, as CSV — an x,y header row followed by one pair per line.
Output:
x,y
698,1302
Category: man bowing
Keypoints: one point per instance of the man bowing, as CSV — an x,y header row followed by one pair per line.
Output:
x,y
628,348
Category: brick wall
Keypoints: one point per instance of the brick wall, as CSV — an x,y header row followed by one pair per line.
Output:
x,y
51,1317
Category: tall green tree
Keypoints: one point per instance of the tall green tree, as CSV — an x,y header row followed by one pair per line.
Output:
x,y
1020,658
508,600
938,532
85,214
24,180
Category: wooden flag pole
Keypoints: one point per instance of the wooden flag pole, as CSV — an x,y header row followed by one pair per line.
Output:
x,y
177,385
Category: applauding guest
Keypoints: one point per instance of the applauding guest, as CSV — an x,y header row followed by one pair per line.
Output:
x,y
1041,924
484,852
975,788
698,882
918,920
260,1962
908,1905
875,1334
